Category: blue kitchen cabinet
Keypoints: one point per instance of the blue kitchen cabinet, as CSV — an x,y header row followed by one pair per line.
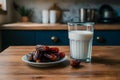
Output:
x,y
101,37
55,37
48,37
27,37
16,37
107,37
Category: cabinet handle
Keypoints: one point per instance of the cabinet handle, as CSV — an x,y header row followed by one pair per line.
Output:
x,y
54,39
100,39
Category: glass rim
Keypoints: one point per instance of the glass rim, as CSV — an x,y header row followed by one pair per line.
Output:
x,y
81,23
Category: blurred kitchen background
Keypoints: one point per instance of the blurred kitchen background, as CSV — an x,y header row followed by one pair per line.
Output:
x,y
72,5
70,10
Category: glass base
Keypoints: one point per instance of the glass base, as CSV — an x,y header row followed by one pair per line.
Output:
x,y
88,60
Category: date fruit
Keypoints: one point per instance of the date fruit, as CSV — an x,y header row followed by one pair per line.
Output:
x,y
62,54
75,63
45,54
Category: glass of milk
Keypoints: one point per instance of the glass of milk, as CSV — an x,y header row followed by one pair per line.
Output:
x,y
80,39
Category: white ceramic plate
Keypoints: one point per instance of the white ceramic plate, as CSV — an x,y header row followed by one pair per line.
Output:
x,y
43,64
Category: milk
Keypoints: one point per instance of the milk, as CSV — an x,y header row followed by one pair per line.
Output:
x,y
80,44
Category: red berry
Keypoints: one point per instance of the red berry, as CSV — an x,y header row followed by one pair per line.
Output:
x,y
54,49
75,63
62,54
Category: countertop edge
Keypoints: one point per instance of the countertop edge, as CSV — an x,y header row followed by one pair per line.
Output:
x,y
58,27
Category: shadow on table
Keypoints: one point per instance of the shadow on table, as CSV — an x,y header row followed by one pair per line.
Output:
x,y
105,60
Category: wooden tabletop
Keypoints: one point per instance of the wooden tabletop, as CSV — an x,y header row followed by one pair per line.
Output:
x,y
39,26
105,65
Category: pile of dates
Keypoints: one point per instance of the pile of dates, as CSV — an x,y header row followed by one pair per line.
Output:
x,y
45,54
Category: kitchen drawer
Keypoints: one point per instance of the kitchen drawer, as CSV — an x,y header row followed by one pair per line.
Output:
x,y
14,37
111,37
58,37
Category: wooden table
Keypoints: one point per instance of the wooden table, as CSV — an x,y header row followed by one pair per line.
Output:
x,y
105,65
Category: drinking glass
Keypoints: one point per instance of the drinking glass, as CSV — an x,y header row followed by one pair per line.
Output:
x,y
80,40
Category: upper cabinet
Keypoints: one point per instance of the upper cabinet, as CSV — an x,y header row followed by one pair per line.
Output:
x,y
3,7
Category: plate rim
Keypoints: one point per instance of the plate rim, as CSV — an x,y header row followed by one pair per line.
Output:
x,y
43,63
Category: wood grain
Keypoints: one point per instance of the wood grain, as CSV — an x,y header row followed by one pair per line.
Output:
x,y
105,65
38,26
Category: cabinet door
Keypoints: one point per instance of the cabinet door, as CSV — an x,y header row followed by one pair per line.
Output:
x,y
111,37
11,37
44,37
